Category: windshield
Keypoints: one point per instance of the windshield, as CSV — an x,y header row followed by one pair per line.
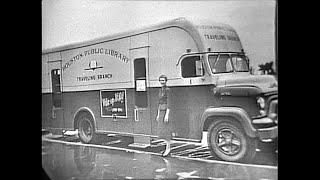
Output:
x,y
224,63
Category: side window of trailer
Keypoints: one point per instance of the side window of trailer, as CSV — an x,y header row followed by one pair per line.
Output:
x,y
192,67
56,87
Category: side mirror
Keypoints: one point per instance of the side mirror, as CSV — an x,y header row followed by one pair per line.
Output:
x,y
251,70
199,68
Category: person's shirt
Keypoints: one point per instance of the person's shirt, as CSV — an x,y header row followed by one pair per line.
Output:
x,y
164,101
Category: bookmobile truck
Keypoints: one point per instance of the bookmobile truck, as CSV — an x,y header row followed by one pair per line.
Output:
x,y
110,85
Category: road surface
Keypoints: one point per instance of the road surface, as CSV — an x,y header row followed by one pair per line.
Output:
x,y
66,158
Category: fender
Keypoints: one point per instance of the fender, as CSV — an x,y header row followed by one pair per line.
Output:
x,y
85,109
235,112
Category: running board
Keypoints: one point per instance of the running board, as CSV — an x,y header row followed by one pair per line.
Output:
x,y
139,145
140,142
70,133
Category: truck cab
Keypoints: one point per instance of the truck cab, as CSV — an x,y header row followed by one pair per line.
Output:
x,y
243,107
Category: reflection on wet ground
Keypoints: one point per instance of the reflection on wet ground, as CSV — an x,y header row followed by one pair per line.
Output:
x,y
62,161
265,154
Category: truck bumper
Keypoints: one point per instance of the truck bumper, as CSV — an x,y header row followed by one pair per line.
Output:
x,y
268,133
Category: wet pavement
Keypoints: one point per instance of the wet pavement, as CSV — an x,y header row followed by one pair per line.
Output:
x,y
65,157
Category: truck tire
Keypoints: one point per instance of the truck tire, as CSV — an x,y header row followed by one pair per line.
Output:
x,y
227,140
86,129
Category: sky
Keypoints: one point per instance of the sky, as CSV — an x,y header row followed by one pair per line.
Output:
x,y
72,21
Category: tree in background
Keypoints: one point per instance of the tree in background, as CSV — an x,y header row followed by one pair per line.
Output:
x,y
267,68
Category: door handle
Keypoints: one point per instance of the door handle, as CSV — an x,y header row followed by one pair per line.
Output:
x,y
136,118
53,114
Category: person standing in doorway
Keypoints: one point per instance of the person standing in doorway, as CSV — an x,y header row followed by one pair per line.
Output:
x,y
163,128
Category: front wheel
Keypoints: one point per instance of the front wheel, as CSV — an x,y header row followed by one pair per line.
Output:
x,y
86,129
228,141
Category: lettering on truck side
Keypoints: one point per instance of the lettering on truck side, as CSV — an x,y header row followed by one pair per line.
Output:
x,y
94,77
101,51
221,37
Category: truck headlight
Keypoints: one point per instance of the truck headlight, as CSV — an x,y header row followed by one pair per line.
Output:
x,y
261,102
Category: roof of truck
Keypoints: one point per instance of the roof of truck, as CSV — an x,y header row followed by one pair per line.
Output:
x,y
186,24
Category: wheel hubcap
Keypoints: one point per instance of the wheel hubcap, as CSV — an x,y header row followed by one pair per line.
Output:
x,y
228,142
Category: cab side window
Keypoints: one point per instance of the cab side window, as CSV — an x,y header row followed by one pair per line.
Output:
x,y
192,67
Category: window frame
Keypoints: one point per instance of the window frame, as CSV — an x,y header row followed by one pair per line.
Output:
x,y
231,55
200,56
141,99
217,60
244,59
56,95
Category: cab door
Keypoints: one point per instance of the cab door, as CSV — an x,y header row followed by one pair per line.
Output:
x,y
142,121
56,120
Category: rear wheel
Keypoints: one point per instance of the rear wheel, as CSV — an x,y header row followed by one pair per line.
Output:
x,y
86,129
228,141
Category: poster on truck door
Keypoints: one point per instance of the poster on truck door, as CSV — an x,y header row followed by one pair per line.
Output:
x,y
113,103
